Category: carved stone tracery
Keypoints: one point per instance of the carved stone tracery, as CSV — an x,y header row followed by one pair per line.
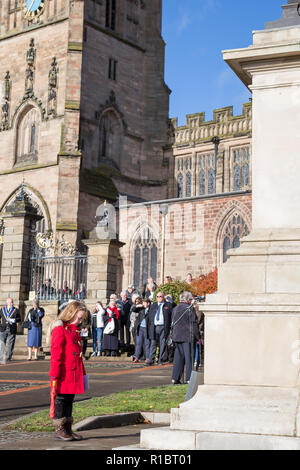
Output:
x,y
52,88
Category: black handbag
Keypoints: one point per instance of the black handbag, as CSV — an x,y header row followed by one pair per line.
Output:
x,y
26,324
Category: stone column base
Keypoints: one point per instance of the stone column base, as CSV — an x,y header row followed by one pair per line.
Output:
x,y
169,439
231,418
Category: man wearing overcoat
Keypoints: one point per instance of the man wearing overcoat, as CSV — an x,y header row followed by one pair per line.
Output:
x,y
9,317
159,326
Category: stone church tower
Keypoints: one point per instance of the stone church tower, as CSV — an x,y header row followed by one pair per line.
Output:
x,y
83,117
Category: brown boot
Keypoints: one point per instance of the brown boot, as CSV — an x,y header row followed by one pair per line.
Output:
x,y
76,437
62,429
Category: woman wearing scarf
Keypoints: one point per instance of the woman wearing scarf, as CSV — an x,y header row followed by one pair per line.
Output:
x,y
111,317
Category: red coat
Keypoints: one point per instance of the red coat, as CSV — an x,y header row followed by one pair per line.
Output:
x,y
66,364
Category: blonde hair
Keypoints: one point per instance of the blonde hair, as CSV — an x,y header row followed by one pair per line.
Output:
x,y
96,309
70,311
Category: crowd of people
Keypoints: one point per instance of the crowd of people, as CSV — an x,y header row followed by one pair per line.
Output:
x,y
150,327
150,330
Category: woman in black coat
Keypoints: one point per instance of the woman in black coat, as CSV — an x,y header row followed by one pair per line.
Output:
x,y
185,332
34,339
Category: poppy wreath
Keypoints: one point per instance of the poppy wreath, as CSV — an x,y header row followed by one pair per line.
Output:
x,y
205,284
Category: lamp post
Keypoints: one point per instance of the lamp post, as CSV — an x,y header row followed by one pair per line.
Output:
x,y
163,209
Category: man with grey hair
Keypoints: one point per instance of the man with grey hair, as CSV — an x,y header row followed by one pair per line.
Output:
x,y
9,317
186,297
185,331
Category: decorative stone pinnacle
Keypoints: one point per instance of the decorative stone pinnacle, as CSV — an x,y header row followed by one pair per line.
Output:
x,y
290,16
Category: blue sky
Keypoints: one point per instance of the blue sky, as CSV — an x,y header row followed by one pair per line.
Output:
x,y
196,31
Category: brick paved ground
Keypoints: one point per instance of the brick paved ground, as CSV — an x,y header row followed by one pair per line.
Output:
x,y
24,388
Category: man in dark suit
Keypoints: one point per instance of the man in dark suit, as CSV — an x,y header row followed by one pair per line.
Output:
x,y
185,334
9,317
124,305
159,325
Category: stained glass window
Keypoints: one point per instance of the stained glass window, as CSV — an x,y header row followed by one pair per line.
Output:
x,y
226,247
211,181
137,264
188,188
145,258
32,138
202,183
180,185
241,171
235,229
237,178
245,174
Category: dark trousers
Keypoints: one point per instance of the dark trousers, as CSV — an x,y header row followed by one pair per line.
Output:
x,y
124,326
64,406
182,357
160,341
84,343
141,342
10,338
169,354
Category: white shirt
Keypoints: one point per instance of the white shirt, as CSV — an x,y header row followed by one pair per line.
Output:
x,y
99,315
160,321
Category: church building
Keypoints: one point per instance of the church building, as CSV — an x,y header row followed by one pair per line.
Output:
x,y
86,139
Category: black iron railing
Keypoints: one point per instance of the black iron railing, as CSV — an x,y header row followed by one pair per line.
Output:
x,y
58,278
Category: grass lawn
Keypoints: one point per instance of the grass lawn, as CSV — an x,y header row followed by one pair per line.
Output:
x,y
156,399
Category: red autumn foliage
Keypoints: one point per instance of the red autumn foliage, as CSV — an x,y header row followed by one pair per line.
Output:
x,y
205,284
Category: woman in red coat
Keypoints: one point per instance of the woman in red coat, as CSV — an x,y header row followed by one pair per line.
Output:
x,y
66,368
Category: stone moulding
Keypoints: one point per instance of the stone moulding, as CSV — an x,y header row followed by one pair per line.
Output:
x,y
72,105
17,32
224,124
75,47
67,226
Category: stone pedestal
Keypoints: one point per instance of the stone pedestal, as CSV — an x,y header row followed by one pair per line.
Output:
x,y
250,399
102,269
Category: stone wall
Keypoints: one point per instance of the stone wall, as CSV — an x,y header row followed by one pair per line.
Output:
x,y
135,102
194,232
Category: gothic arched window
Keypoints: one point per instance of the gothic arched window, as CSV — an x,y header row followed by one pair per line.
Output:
x,y
241,169
110,138
202,183
211,181
235,229
145,257
246,174
180,185
27,135
188,185
237,178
